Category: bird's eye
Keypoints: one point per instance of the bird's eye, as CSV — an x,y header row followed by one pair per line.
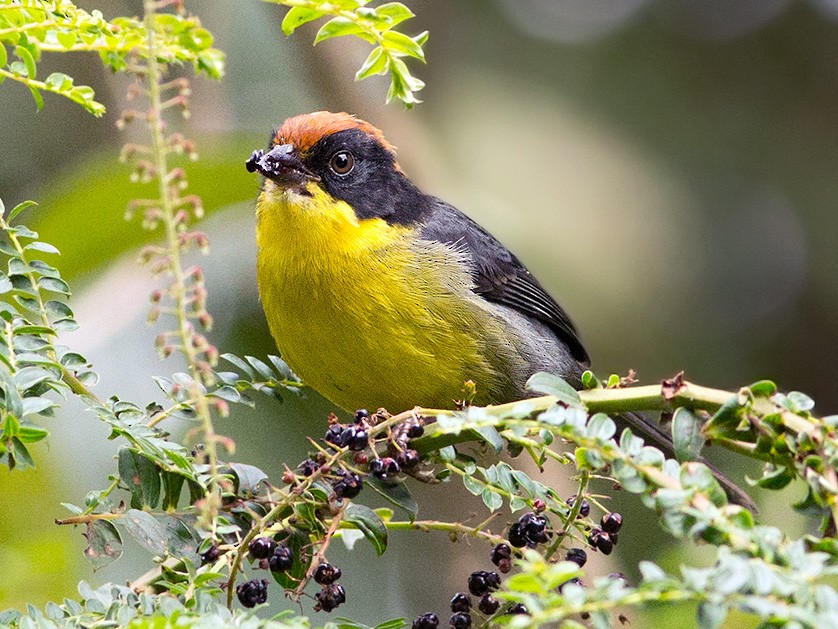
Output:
x,y
342,162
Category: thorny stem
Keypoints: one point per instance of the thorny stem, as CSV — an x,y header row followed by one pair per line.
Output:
x,y
178,290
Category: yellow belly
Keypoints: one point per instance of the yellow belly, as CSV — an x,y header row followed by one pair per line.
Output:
x,y
366,314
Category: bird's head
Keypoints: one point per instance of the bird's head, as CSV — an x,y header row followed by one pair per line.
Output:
x,y
340,156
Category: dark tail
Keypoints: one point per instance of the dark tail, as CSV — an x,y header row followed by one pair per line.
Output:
x,y
651,432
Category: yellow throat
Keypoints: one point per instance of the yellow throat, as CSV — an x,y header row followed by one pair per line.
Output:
x,y
366,312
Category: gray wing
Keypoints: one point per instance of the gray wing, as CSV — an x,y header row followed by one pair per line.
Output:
x,y
498,275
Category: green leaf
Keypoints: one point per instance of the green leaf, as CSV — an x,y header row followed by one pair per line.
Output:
x,y
147,531
32,434
36,95
4,56
370,524
472,485
104,544
396,494
241,364
297,16
711,615
55,285
402,44
44,247
686,435
5,283
394,12
601,426
20,456
66,38
28,60
251,480
777,478
491,436
20,207
550,384
29,377
58,309
376,63
763,388
172,486
338,27
492,500
141,476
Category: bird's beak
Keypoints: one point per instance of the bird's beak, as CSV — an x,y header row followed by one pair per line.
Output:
x,y
282,165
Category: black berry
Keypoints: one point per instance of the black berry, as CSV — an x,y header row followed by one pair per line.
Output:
x,y
530,530
577,556
253,593
518,608
361,414
426,621
505,565
326,573
600,540
415,431
516,536
384,468
488,604
500,552
354,438
282,558
330,597
261,547
482,582
333,433
348,485
308,467
611,522
461,602
211,554
584,508
408,459
461,620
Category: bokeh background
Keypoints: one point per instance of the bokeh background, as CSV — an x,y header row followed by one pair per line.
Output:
x,y
666,167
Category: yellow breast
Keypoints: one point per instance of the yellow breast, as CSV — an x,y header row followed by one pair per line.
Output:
x,y
363,311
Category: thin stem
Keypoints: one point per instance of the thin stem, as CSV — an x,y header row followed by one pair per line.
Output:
x,y
87,518
456,528
178,289
571,517
320,557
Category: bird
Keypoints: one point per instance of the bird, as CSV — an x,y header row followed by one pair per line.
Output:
x,y
379,295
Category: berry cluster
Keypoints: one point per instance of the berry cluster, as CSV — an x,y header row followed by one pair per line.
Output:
x,y
604,537
347,484
253,593
482,584
385,468
355,436
331,594
530,530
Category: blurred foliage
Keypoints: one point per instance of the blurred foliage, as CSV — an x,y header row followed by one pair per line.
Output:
x,y
374,25
39,26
